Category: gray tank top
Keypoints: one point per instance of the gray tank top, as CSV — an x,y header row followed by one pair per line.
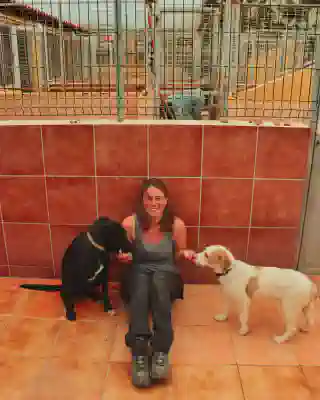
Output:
x,y
154,257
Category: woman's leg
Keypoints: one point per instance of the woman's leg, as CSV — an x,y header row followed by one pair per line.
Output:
x,y
139,333
161,304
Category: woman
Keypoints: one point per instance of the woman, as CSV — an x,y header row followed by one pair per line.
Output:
x,y
159,237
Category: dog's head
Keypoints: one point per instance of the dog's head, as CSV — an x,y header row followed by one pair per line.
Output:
x,y
219,258
111,235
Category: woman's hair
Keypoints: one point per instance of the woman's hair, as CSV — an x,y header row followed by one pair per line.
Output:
x,y
167,219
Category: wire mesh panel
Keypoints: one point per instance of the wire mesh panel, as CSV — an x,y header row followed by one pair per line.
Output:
x,y
142,59
276,62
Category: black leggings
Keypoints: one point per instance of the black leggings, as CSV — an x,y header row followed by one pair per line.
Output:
x,y
155,292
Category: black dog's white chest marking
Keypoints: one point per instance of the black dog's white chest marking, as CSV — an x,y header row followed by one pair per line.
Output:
x,y
96,273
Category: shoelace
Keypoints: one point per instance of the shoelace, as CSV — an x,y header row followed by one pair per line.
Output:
x,y
160,360
140,362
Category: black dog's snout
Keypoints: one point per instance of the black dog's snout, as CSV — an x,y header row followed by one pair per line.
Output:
x,y
126,247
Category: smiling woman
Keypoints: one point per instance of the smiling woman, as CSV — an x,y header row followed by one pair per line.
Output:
x,y
154,282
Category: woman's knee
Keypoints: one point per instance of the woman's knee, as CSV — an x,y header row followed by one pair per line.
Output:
x,y
161,289
140,288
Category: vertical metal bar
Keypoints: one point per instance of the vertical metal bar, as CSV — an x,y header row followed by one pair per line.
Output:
x,y
315,109
157,61
46,55
315,104
119,55
225,56
61,42
14,44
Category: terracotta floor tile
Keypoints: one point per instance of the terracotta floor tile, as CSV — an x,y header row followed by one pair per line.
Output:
x,y
4,323
120,352
307,345
214,346
258,349
9,282
16,377
202,345
200,304
276,383
118,386
11,297
42,305
70,379
30,337
312,375
91,311
206,383
307,348
85,340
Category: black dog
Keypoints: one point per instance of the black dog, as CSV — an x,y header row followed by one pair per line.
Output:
x,y
85,265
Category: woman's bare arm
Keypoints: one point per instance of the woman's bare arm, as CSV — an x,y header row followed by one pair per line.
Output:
x,y
180,234
128,224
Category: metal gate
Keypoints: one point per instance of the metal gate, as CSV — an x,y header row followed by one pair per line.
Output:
x,y
6,57
309,261
24,56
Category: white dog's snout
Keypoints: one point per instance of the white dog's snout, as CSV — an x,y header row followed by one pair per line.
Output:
x,y
199,261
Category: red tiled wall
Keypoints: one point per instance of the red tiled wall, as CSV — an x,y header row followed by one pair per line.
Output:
x,y
240,186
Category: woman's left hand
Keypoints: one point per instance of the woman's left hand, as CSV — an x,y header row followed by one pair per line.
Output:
x,y
189,255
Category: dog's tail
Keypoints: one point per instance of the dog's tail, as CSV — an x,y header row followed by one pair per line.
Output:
x,y
44,288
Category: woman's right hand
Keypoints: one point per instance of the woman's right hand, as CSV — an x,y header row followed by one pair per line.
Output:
x,y
124,257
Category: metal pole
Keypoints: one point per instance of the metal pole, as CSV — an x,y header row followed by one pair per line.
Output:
x,y
315,104
153,41
62,63
46,55
225,55
15,52
234,45
156,67
119,56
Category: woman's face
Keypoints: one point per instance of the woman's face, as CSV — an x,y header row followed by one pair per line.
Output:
x,y
154,202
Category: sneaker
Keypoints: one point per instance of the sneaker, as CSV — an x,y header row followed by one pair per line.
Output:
x,y
140,371
160,366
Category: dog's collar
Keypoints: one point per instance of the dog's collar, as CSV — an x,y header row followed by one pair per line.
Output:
x,y
94,244
219,275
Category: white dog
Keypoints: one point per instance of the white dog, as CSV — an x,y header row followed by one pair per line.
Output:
x,y
241,281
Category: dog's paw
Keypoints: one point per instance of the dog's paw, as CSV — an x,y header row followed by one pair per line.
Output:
x,y
71,315
279,339
244,330
112,313
304,329
220,317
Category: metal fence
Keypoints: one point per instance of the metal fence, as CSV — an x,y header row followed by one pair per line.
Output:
x,y
140,59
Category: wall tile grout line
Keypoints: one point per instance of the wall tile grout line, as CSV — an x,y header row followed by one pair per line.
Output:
x,y
252,193
200,188
188,226
47,200
148,151
5,240
95,169
30,266
161,177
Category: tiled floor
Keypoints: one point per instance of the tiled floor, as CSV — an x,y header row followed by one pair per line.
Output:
x,y
44,357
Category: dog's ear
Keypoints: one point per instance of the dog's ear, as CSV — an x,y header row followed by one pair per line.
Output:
x,y
226,262
102,221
